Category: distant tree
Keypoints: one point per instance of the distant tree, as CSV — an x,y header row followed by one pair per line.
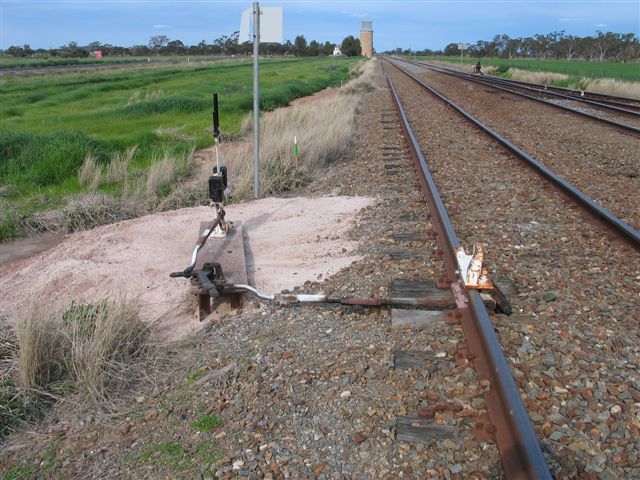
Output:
x,y
157,42
300,46
314,49
451,49
512,47
228,45
554,40
481,48
604,42
351,47
287,48
175,47
541,46
327,48
567,45
140,51
629,47
18,51
73,51
203,48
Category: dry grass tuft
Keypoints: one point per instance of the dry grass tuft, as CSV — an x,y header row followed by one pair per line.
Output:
x,y
90,210
92,350
134,98
142,192
90,173
323,129
86,355
160,174
188,194
118,168
610,86
607,86
536,77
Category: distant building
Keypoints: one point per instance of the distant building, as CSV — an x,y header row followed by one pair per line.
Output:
x,y
366,38
336,51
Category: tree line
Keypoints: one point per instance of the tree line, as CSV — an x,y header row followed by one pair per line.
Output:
x,y
620,47
163,45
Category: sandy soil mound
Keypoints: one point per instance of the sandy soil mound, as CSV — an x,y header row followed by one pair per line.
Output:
x,y
290,241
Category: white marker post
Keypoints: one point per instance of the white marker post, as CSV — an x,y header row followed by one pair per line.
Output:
x,y
272,26
256,100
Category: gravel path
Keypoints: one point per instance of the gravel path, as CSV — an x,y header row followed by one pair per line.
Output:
x,y
573,339
305,392
604,162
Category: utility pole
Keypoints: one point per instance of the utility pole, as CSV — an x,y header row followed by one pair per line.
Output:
x,y
256,99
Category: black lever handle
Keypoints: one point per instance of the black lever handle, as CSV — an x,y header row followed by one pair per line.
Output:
x,y
216,121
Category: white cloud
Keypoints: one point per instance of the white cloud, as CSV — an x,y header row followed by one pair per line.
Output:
x,y
601,25
353,14
161,26
571,19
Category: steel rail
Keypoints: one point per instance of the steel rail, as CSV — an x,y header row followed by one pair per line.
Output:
x,y
536,88
519,449
470,78
624,102
547,91
626,231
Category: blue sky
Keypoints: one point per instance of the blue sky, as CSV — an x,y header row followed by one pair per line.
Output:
x,y
406,24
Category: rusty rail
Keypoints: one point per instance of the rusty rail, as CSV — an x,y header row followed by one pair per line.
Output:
x,y
607,218
632,109
492,84
519,449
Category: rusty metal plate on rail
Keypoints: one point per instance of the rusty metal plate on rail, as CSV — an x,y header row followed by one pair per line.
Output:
x,y
227,251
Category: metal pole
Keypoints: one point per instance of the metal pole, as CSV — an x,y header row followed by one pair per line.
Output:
x,y
256,100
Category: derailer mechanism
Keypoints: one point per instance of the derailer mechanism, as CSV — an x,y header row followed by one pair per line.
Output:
x,y
471,270
475,276
210,278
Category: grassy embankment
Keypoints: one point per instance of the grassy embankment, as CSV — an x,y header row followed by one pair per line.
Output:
x,y
614,78
139,125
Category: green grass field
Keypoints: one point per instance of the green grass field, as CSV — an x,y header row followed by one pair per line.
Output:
x,y
629,71
8,61
50,122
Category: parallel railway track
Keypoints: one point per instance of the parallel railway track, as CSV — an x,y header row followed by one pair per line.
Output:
x,y
579,95
624,112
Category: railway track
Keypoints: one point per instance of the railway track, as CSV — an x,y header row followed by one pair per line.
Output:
x,y
520,451
528,462
623,104
625,115
627,232
578,95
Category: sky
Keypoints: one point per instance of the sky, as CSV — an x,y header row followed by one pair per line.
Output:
x,y
406,24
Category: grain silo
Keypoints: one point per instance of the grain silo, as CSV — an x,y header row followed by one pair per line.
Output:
x,y
366,38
